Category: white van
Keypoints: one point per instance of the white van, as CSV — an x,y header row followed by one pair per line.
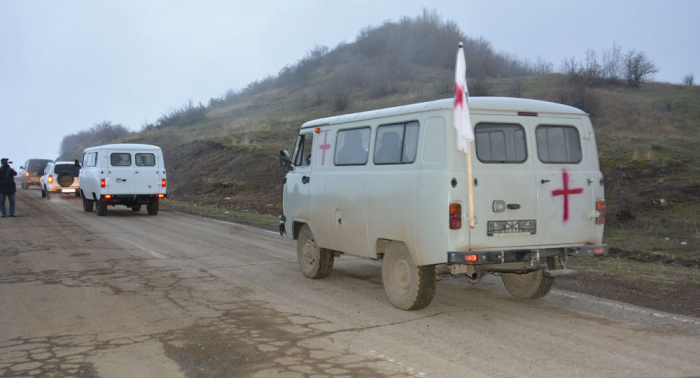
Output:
x,y
122,174
391,184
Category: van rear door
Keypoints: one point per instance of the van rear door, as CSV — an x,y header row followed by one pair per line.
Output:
x,y
505,194
121,173
564,181
147,172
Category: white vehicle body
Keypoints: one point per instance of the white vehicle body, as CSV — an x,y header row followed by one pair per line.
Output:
x,y
60,177
122,174
537,186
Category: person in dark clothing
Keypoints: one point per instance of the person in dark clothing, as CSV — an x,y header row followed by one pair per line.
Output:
x,y
7,187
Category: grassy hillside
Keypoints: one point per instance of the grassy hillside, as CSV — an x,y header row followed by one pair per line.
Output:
x,y
225,154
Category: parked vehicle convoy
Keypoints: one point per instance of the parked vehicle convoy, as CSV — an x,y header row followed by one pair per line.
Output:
x,y
132,175
391,184
31,171
60,177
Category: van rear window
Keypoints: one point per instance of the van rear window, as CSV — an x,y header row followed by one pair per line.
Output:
x,y
120,159
70,168
396,144
558,144
145,160
500,143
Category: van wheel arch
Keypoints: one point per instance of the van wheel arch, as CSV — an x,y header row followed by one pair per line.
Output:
x,y
296,227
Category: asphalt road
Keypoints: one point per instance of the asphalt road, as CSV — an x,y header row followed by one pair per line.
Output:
x,y
174,295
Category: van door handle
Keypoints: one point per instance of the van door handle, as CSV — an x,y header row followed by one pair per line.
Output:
x,y
544,181
305,179
513,206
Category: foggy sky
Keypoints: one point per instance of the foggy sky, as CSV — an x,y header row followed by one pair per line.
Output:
x,y
66,65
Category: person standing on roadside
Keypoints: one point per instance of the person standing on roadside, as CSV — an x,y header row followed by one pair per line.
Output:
x,y
7,187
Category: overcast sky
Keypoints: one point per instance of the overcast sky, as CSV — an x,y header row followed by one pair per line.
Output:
x,y
66,64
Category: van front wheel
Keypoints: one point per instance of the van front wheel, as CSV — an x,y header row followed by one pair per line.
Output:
x,y
530,285
409,287
315,262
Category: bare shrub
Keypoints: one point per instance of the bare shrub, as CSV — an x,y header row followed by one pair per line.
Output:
x,y
574,91
516,88
638,68
612,63
689,79
479,87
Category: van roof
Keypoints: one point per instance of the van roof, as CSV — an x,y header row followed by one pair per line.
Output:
x,y
476,105
125,146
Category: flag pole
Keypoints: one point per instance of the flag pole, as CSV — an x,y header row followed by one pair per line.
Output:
x,y
462,122
472,218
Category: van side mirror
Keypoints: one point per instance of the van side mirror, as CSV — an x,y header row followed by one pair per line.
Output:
x,y
21,167
285,160
77,163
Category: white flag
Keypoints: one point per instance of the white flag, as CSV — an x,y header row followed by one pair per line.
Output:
x,y
465,133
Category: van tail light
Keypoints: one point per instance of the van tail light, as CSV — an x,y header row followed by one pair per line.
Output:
x,y
600,207
26,174
103,183
50,179
162,182
161,195
108,196
455,216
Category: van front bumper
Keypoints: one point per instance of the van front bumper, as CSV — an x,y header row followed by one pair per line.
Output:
x,y
520,255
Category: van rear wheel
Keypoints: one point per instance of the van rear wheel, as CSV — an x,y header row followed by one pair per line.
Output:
x,y
315,262
87,205
530,285
408,287
101,208
153,206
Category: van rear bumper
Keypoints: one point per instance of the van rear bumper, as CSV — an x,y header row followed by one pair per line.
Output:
x,y
117,199
519,255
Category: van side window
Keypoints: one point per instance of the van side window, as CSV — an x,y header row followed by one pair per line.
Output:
x,y
120,159
558,144
302,151
94,159
396,144
500,143
145,160
352,146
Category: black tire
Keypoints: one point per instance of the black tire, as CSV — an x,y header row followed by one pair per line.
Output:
x,y
152,207
88,205
44,193
531,285
408,287
65,179
315,262
100,208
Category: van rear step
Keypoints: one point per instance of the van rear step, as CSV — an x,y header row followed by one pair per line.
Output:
x,y
559,273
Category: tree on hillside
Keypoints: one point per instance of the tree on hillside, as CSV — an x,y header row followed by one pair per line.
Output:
x,y
638,68
689,79
73,145
612,62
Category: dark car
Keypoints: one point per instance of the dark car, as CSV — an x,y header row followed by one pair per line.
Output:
x,y
32,171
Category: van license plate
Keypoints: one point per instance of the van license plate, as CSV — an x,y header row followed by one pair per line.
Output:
x,y
68,191
511,228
